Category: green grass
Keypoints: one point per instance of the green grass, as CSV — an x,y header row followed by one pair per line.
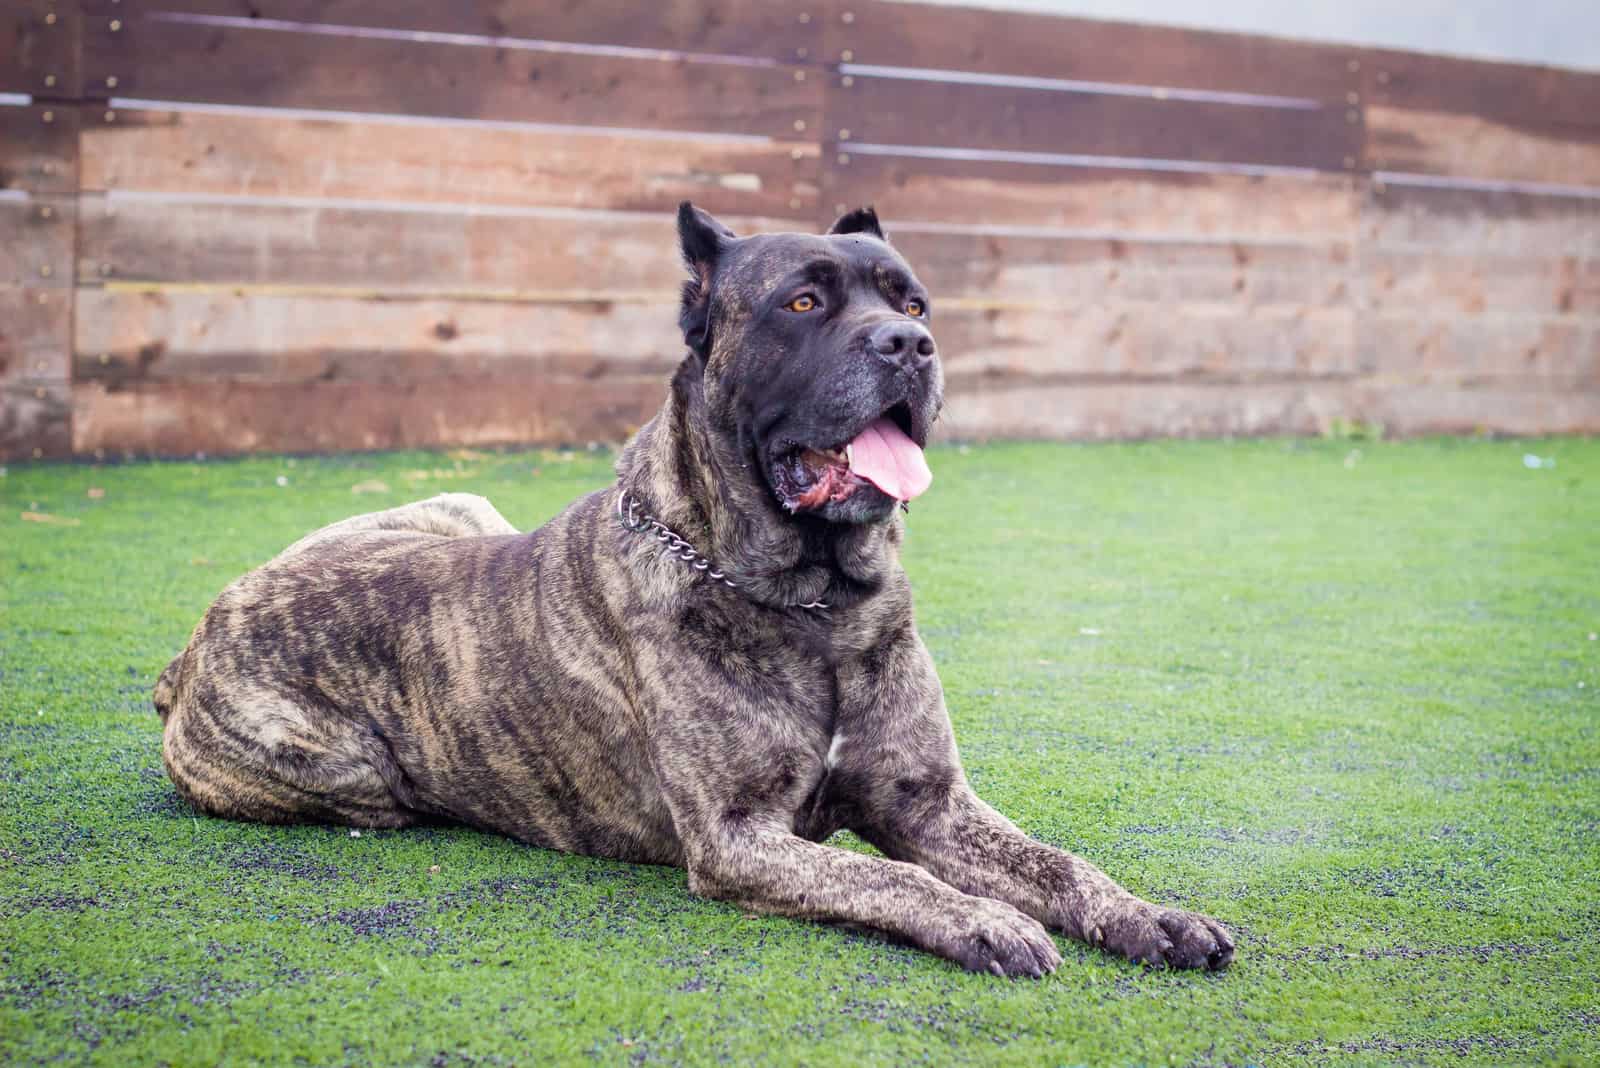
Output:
x,y
1346,699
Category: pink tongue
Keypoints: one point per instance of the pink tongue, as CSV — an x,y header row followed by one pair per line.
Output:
x,y
884,456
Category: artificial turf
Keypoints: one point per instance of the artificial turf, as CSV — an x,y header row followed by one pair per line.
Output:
x,y
1343,695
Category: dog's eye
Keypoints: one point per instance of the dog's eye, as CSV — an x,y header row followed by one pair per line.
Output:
x,y
802,304
914,308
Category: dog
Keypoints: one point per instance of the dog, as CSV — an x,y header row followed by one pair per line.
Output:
x,y
711,663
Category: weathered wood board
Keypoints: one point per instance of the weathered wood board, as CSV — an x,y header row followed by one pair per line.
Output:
x,y
171,418
266,155
273,66
39,148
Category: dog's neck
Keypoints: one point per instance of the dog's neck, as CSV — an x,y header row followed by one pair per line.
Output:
x,y
704,481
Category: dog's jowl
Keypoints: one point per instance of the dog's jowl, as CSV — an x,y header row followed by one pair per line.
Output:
x,y
711,663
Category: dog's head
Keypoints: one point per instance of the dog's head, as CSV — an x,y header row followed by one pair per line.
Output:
x,y
815,352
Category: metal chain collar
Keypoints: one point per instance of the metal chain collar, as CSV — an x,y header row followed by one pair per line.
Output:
x,y
633,518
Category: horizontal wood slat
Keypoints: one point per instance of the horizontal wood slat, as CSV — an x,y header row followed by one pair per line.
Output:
x,y
35,421
124,335
754,28
1148,341
894,111
221,417
38,48
1477,221
1530,352
392,250
35,335
273,68
961,192
262,155
1463,284
1438,142
1047,46
39,148
1510,92
1000,409
1056,272
36,241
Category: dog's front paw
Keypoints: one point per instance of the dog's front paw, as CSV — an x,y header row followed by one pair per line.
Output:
x,y
1150,934
991,936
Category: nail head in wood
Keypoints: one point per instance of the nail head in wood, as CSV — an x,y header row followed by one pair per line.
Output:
x,y
48,116
844,159
847,55
799,125
847,81
111,81
116,25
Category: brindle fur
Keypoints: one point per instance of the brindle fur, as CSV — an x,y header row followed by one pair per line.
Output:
x,y
575,689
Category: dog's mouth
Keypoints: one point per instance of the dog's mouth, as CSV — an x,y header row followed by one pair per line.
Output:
x,y
883,454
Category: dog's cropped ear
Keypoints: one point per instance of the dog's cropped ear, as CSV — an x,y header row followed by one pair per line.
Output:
x,y
702,239
861,221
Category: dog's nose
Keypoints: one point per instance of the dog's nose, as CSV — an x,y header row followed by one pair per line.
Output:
x,y
905,343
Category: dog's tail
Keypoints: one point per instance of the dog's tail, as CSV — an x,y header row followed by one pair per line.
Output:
x,y
166,690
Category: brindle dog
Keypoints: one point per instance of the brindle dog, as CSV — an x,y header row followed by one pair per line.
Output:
x,y
581,689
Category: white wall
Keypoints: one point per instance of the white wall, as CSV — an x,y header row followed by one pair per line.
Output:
x,y
1558,32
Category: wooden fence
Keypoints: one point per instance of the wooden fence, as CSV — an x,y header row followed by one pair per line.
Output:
x,y
229,225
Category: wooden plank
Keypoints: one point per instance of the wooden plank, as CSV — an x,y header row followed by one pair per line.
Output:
x,y
1097,199
35,420
1422,281
218,417
39,48
36,241
1509,92
261,67
1052,272
1096,341
1438,142
1532,351
1046,46
265,155
736,27
39,148
35,335
1011,409
392,251
1478,221
127,335
895,111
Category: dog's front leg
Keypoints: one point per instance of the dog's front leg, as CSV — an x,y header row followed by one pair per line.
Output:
x,y
759,865
914,804
732,783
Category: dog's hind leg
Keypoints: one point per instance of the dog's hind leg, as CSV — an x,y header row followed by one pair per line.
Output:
x,y
248,752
